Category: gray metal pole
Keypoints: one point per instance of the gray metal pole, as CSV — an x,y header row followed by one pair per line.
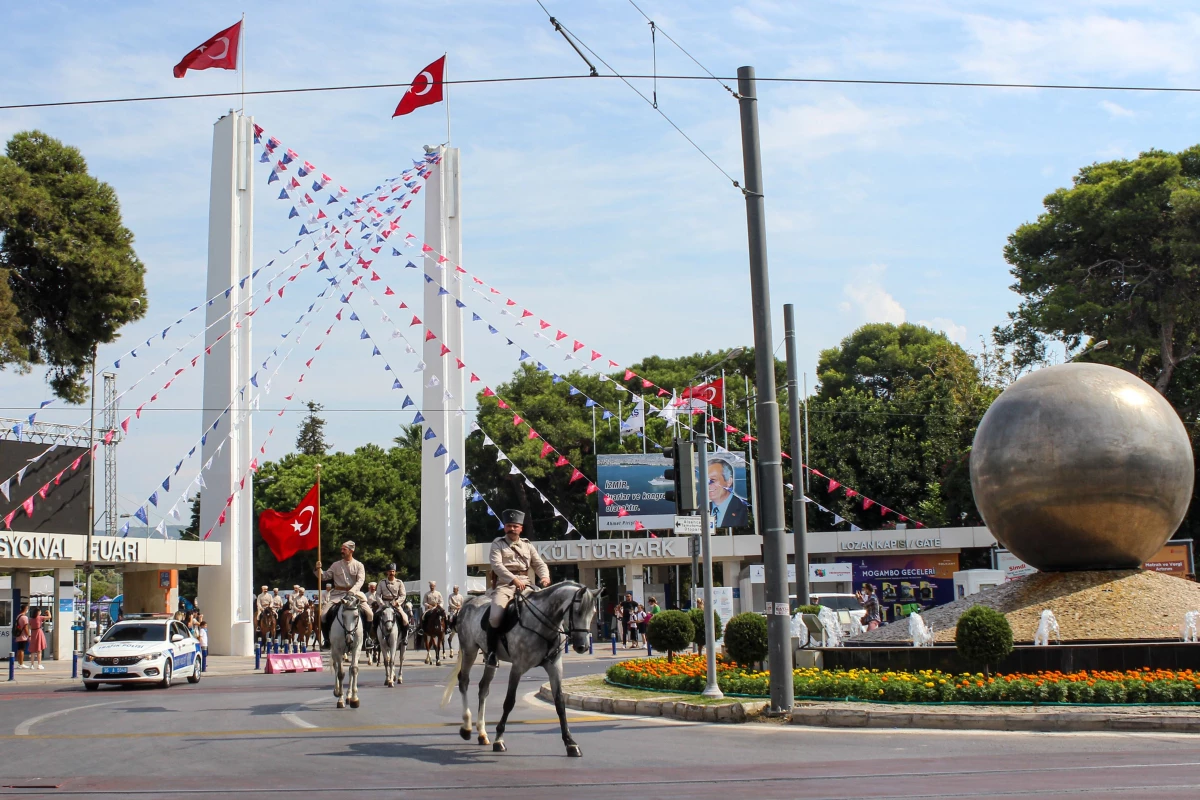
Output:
x,y
799,506
710,635
807,459
89,567
770,471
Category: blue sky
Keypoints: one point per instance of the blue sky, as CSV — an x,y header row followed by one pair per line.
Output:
x,y
884,203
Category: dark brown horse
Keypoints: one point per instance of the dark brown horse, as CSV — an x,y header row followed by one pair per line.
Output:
x,y
304,627
268,625
433,631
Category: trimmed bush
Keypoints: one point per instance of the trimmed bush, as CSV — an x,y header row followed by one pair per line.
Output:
x,y
746,638
808,610
671,631
697,617
983,636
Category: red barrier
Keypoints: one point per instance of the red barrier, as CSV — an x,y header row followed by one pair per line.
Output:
x,y
293,662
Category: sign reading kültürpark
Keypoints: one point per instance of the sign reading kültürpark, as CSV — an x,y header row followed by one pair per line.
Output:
x,y
636,484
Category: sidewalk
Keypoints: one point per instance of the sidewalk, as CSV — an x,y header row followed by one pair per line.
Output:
x,y
59,672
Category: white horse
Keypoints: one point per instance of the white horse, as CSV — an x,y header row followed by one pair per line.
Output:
x,y
536,640
1047,625
393,641
346,638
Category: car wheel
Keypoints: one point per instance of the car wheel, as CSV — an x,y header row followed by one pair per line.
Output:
x,y
91,686
166,678
195,676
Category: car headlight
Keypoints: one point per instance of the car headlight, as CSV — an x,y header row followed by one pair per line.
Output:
x,y
89,655
151,656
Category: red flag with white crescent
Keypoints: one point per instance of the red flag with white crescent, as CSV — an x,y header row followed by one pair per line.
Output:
x,y
425,90
712,393
289,533
219,52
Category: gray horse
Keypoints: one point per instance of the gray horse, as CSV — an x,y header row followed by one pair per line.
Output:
x,y
346,639
393,641
536,640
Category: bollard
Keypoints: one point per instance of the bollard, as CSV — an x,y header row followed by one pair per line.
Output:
x,y
614,643
303,647
591,649
649,649
12,667
204,660
257,656
74,665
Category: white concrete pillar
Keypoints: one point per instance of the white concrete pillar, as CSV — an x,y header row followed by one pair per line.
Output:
x,y
227,591
443,503
62,641
635,581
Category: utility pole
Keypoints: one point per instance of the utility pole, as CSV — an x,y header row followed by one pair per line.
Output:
x,y
779,631
799,500
710,635
88,566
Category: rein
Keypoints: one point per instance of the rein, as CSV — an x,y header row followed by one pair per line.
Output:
x,y
554,642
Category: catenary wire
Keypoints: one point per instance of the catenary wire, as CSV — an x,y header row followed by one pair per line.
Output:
x,y
536,78
654,26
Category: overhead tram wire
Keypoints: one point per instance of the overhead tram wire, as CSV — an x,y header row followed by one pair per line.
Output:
x,y
655,27
538,78
558,26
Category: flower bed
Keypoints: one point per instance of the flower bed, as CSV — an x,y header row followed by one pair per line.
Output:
x,y
687,674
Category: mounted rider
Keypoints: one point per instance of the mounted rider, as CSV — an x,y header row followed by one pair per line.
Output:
x,y
371,593
454,605
433,598
264,602
277,600
298,600
511,558
348,577
391,593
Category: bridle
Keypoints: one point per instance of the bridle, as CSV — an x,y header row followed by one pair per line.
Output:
x,y
555,641
357,618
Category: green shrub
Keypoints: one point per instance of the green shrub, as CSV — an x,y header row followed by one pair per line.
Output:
x,y
697,617
671,631
746,638
808,610
983,636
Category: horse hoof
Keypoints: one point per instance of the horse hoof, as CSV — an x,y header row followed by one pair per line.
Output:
x,y
499,747
354,703
465,733
438,664
483,739
399,680
573,751
341,703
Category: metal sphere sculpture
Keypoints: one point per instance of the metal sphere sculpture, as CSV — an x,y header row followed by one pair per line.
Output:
x,y
1082,466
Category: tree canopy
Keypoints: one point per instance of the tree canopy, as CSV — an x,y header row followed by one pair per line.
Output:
x,y
310,441
69,277
894,417
1114,257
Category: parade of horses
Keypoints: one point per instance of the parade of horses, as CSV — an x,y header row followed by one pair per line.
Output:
x,y
522,619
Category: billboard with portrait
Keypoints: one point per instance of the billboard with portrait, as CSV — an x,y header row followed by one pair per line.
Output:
x,y
635,482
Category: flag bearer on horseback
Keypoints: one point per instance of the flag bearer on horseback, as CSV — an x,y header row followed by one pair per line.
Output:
x,y
391,593
348,577
511,558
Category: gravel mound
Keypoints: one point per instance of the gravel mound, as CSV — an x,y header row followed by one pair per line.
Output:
x,y
1098,605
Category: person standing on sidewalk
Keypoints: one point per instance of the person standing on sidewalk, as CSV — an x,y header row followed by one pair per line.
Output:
x,y
202,635
37,640
22,636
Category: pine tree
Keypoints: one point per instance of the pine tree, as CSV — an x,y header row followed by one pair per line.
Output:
x,y
311,440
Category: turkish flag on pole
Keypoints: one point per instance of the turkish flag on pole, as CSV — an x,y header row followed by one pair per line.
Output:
x,y
426,89
712,392
287,534
218,52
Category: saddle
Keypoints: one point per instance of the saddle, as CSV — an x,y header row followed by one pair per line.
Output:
x,y
512,615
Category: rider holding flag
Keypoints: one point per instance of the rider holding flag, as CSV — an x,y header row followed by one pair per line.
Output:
x,y
348,577
511,558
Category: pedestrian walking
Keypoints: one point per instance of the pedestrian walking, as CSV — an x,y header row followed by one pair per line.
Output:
x,y
21,637
37,640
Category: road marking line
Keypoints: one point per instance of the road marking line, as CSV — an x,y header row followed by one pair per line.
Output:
x,y
23,728
289,713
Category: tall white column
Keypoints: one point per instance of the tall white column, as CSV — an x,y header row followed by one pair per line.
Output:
x,y
62,641
226,592
443,504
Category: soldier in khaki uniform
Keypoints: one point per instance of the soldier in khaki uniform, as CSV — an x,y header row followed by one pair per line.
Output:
x,y
433,598
391,593
348,576
264,601
511,558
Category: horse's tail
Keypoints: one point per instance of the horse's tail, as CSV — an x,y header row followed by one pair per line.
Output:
x,y
452,682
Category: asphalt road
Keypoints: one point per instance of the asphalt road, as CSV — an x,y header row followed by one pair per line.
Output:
x,y
257,736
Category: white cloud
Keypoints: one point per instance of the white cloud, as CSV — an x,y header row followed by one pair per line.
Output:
x,y
834,125
1052,48
1115,110
866,297
954,332
748,19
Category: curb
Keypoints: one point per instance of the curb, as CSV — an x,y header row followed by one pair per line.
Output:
x,y
1055,722
689,712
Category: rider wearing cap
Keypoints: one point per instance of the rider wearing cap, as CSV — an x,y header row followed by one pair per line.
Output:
x,y
391,593
454,605
511,558
433,598
298,600
371,593
348,577
276,600
265,601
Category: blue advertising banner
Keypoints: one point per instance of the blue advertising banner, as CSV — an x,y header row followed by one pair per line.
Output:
x,y
636,483
906,583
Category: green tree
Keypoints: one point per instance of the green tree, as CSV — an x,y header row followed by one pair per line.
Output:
x,y
696,615
746,638
983,636
311,439
1115,256
894,417
671,631
372,496
71,277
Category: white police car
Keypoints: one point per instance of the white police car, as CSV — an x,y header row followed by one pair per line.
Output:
x,y
142,648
